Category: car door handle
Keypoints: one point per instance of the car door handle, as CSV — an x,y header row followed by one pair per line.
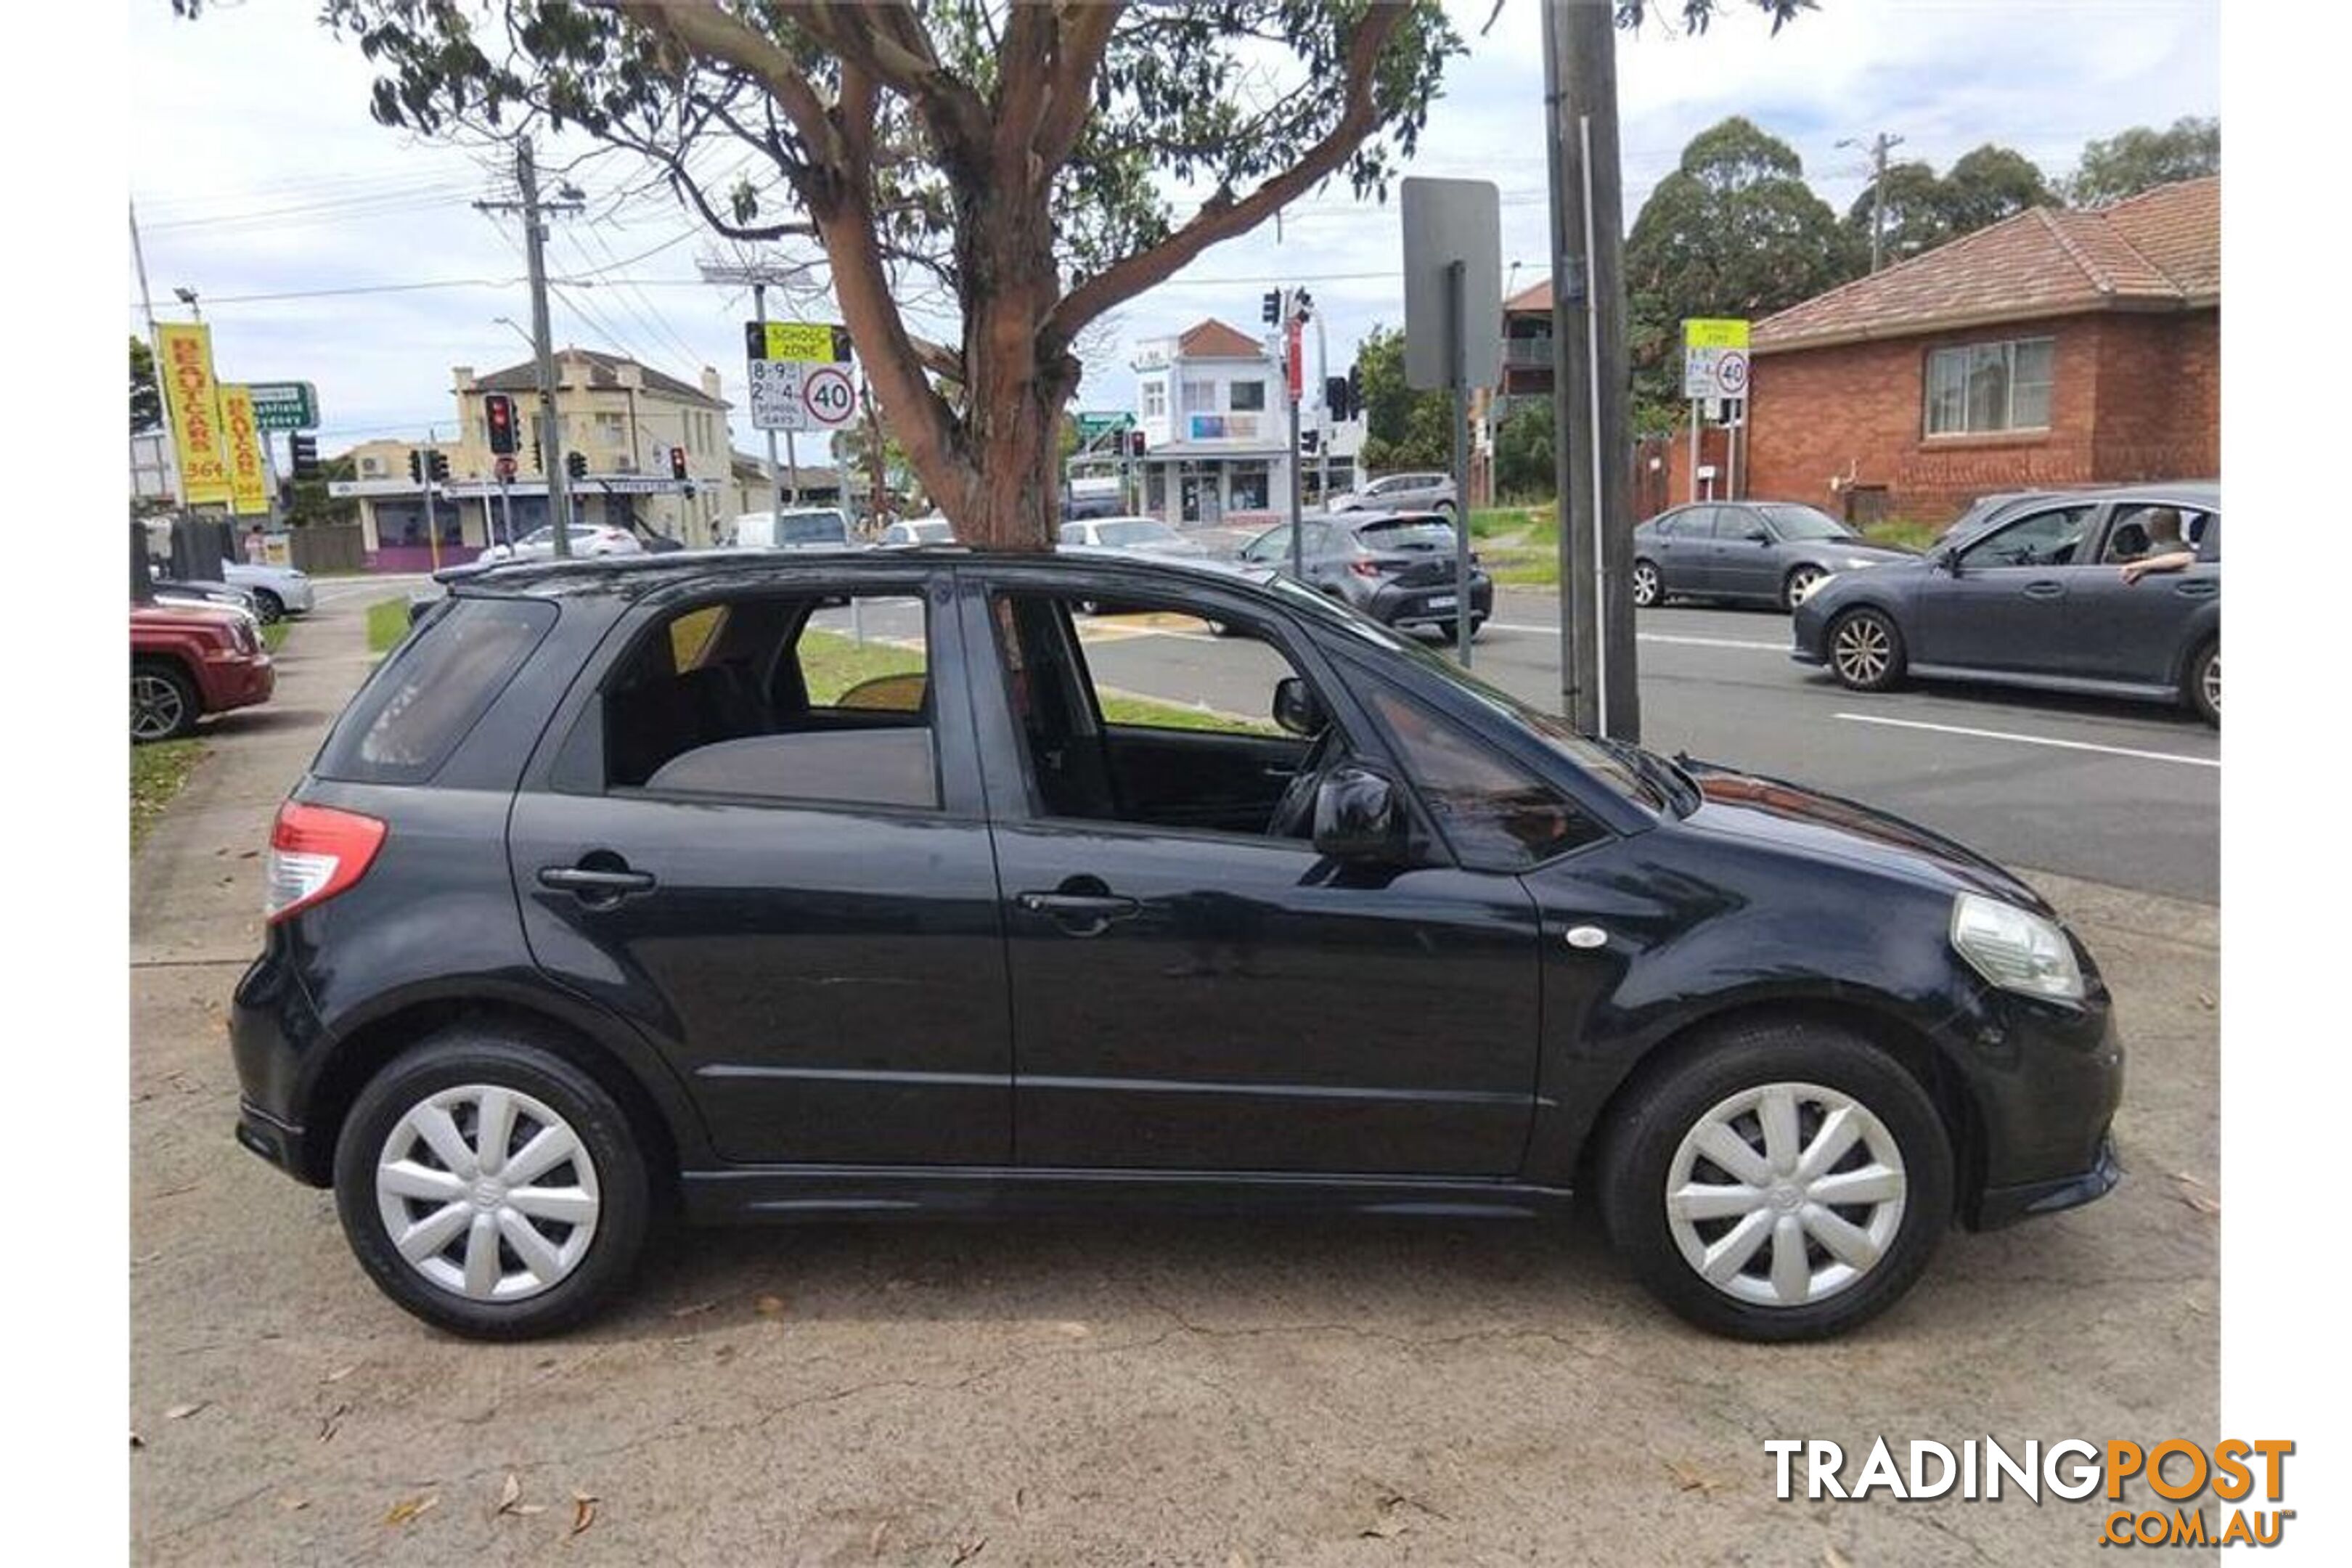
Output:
x,y
2197,589
600,886
1082,906
2044,588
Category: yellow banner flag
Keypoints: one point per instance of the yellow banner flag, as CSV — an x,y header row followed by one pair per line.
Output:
x,y
184,354
249,483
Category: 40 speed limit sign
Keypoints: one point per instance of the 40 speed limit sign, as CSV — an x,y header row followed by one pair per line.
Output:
x,y
828,396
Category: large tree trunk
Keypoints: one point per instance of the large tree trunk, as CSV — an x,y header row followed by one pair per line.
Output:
x,y
1016,379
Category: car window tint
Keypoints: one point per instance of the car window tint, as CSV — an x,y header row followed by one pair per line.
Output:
x,y
2049,538
1699,523
1074,534
1497,814
1417,533
424,699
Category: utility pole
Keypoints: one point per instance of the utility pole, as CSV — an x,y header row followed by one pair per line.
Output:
x,y
1592,379
155,359
551,431
1294,315
1878,146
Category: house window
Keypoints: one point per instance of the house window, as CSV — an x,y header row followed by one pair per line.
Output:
x,y
1983,387
1249,396
1155,398
1199,397
611,430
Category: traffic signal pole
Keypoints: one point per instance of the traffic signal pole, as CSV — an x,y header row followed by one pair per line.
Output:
x,y
559,481
424,478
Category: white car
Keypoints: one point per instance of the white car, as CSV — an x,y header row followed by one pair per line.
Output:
x,y
278,591
803,528
1144,535
587,539
918,530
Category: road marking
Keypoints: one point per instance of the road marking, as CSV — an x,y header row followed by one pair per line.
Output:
x,y
1677,640
2032,740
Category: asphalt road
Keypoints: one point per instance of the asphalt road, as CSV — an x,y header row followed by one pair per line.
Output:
x,y
2117,793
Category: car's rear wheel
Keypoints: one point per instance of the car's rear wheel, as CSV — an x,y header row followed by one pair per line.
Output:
x,y
267,606
2204,683
1648,587
163,702
1447,630
1866,650
491,1187
1780,1181
1799,587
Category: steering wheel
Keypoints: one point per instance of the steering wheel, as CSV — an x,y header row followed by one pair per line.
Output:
x,y
1295,810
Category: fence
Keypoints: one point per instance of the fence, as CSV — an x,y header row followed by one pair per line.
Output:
x,y
328,547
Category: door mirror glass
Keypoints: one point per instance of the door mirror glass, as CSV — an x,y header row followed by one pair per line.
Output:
x,y
1296,708
1758,536
1356,817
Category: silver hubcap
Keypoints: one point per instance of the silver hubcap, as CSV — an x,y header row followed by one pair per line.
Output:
x,y
1645,584
1863,649
487,1193
1802,585
1785,1194
156,707
2213,683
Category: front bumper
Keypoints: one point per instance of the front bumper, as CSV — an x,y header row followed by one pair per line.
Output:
x,y
239,682
295,595
2047,1080
1998,1206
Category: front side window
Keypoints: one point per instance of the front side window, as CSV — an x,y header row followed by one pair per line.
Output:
x,y
1497,816
1982,388
2053,538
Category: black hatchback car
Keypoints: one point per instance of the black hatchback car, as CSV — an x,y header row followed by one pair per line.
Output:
x,y
635,888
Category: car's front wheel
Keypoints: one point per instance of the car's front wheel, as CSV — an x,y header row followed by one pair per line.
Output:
x,y
491,1187
1648,587
163,702
1781,1180
2204,683
1866,650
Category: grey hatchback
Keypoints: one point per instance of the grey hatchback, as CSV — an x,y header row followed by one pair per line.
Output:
x,y
2056,593
1396,567
1773,552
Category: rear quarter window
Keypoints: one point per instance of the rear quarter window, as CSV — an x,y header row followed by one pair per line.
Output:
x,y
430,691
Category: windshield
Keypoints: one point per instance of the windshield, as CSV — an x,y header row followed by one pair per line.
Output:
x,y
1128,531
1407,533
1796,523
811,527
1593,758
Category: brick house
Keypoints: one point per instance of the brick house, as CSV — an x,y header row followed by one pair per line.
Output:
x,y
2053,348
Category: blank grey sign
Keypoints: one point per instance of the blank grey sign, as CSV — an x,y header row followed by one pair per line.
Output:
x,y
1447,221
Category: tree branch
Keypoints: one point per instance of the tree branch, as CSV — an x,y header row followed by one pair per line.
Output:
x,y
1223,217
706,32
1086,34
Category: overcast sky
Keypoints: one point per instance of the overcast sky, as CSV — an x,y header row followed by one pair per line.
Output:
x,y
257,171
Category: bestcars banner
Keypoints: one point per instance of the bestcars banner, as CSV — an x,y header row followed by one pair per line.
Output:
x,y
184,350
248,484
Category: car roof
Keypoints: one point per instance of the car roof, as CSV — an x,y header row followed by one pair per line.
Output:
x,y
647,572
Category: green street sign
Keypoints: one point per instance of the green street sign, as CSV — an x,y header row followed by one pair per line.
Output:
x,y
285,404
1093,424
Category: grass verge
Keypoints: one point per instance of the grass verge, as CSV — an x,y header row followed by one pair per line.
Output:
x,y
387,623
157,772
832,664
273,637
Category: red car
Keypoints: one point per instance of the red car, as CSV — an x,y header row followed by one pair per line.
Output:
x,y
186,663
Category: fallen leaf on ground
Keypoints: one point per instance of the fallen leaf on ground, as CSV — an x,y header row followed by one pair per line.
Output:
x,y
2199,1201
341,1372
508,1495
1075,1331
527,1508
583,1510
770,1305
1832,1558
332,1421
182,1411
966,1550
1690,1479
2205,1000
873,1541
293,1504
689,1311
409,1507
2186,1178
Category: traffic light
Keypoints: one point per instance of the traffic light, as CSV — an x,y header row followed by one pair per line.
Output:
x,y
499,413
1135,443
576,464
1272,309
1355,390
677,462
416,465
304,450
1310,441
1334,397
440,462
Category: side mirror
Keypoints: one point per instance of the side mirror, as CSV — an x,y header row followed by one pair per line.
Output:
x,y
1357,816
1296,708
1758,536
1948,562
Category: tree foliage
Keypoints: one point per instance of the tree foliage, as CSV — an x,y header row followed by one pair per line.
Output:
x,y
1733,231
2143,158
1925,210
146,401
1523,463
1402,428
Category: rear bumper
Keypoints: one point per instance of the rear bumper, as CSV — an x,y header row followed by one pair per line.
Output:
x,y
1430,604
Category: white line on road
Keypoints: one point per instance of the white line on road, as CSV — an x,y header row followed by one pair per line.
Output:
x,y
1655,636
2032,740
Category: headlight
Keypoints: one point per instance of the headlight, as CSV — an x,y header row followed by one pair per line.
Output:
x,y
2016,950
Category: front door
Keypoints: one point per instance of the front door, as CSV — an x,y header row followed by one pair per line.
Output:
x,y
759,837
2003,604
1194,987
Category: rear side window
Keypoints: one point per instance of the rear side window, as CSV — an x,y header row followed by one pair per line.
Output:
x,y
428,694
1406,533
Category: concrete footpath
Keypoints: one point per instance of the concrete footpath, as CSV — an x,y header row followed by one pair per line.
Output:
x,y
1138,1391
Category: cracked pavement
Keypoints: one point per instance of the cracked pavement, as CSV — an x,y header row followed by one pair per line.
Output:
x,y
1143,1390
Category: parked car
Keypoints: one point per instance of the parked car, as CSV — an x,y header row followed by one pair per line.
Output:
x,y
1772,552
2038,598
1128,535
918,530
277,592
187,661
1397,568
1401,493
220,595
745,944
807,528
587,539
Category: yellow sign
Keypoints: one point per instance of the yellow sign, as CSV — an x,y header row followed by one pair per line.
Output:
x,y
800,340
249,483
1714,333
183,352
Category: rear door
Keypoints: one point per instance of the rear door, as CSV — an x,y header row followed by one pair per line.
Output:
x,y
2004,607
758,835
1685,538
2137,631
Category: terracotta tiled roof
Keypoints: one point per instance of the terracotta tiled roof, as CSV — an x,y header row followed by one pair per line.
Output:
x,y
1536,295
1212,338
2161,250
604,371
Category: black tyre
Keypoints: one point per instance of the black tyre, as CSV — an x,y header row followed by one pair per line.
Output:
x,y
1865,650
1448,630
1778,1181
1649,588
488,1235
1800,583
163,701
267,607
2202,689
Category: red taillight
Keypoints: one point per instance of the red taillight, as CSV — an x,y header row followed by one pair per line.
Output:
x,y
1363,568
316,852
